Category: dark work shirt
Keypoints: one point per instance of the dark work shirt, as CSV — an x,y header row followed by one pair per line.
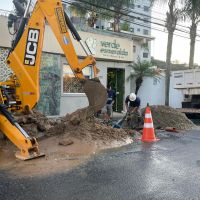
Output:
x,y
133,104
110,96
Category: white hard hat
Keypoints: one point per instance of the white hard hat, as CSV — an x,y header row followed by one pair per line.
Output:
x,y
132,97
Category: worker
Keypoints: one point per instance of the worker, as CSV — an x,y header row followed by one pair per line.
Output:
x,y
106,111
111,95
132,103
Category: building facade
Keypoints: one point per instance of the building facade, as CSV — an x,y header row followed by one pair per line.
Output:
x,y
60,92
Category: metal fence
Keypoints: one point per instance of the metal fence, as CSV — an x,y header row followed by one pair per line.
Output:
x,y
4,12
5,71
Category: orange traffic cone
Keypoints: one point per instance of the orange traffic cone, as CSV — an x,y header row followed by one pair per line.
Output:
x,y
148,134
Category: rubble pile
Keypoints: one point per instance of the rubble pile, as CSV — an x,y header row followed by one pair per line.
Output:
x,y
73,125
77,125
34,122
90,130
164,116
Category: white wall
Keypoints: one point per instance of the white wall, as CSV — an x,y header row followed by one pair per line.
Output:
x,y
154,94
5,37
71,102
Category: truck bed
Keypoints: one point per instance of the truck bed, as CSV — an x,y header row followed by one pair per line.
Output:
x,y
188,110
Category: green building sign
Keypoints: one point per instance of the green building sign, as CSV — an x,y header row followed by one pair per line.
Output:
x,y
112,49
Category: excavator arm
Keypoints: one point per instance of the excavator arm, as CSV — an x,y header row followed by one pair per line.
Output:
x,y
25,58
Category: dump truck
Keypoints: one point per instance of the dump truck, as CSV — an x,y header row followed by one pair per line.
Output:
x,y
188,81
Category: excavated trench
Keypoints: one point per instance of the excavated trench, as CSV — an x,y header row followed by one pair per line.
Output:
x,y
71,140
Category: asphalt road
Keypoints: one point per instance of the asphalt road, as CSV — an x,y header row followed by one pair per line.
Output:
x,y
168,169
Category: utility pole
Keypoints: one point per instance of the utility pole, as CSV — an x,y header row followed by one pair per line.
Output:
x,y
15,19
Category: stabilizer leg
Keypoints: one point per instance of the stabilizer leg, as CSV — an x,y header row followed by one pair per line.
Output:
x,y
28,146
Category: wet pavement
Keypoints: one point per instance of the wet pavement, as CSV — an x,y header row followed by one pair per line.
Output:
x,y
168,169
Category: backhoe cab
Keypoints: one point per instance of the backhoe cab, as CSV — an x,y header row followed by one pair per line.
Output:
x,y
21,91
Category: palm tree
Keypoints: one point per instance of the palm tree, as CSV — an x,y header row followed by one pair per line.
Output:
x,y
88,7
117,7
172,16
192,11
142,69
105,9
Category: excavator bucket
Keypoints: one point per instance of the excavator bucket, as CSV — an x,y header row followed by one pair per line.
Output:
x,y
96,93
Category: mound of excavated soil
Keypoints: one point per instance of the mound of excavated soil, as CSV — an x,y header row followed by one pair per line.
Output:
x,y
164,116
74,125
89,130
77,125
74,138
34,123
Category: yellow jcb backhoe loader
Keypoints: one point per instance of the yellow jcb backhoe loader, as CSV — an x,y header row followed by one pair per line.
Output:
x,y
21,91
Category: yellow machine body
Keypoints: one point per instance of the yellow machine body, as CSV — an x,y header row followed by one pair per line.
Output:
x,y
25,58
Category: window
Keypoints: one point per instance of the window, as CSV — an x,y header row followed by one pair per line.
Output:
x,y
145,32
138,6
132,30
146,8
155,81
70,83
132,6
145,55
134,48
146,20
138,29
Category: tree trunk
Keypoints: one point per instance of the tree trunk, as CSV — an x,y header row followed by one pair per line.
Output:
x,y
92,19
193,30
116,23
138,84
171,25
168,67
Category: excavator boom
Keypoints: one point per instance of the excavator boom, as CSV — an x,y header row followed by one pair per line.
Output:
x,y
25,58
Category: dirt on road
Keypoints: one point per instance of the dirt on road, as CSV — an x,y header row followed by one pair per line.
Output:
x,y
67,142
58,158
71,140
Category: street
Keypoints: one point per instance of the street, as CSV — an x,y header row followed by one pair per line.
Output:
x,y
167,169
99,100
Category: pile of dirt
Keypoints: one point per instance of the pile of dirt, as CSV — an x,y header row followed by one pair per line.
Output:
x,y
66,142
78,125
89,130
165,116
75,125
34,123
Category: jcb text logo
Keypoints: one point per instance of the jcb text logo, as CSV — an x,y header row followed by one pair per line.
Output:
x,y
31,47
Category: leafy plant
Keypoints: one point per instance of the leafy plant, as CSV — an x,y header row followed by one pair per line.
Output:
x,y
125,26
89,9
117,7
143,69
